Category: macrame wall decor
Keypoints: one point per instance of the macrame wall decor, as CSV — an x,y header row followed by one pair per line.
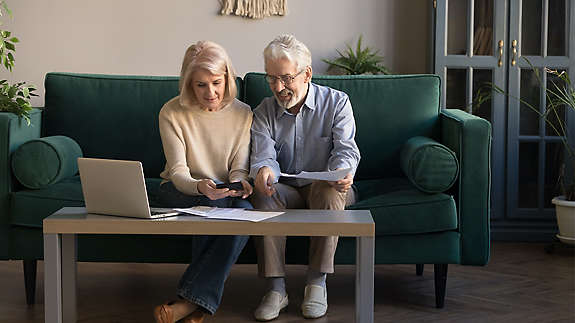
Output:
x,y
254,9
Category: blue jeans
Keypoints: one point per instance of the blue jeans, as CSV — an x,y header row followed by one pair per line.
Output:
x,y
212,255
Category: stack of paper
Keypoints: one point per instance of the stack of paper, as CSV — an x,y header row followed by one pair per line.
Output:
x,y
229,213
334,175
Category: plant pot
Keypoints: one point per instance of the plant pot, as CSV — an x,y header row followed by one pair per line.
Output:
x,y
565,211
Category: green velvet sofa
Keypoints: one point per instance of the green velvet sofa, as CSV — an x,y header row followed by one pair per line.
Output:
x,y
429,208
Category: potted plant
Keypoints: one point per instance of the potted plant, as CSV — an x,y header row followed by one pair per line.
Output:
x,y
560,93
14,98
563,95
360,61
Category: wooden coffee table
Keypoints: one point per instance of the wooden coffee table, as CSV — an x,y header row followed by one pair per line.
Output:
x,y
61,228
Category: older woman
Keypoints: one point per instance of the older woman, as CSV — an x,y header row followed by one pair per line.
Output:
x,y
206,137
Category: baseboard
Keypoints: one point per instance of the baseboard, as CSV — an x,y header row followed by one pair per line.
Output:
x,y
528,233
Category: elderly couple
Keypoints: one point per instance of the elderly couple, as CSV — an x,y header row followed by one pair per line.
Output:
x,y
206,135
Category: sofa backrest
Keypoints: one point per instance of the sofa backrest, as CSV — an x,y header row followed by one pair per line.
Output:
x,y
116,117
110,116
388,110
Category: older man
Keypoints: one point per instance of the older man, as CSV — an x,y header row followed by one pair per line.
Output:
x,y
304,127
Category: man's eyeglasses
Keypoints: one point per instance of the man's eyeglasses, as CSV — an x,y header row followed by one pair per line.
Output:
x,y
285,79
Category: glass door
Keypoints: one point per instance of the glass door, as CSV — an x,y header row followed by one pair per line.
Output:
x,y
539,34
470,51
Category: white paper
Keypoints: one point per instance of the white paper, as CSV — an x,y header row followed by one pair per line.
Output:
x,y
197,210
229,213
242,215
334,175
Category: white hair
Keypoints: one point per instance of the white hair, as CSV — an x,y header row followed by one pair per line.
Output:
x,y
287,46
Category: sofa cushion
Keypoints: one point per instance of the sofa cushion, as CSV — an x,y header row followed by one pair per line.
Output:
x,y
399,208
42,162
429,165
30,207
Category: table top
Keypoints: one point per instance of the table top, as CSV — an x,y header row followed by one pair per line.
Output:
x,y
294,222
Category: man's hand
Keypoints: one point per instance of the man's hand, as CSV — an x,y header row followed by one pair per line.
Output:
x,y
342,185
265,181
208,188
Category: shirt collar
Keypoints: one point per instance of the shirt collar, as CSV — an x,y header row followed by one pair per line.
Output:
x,y
309,102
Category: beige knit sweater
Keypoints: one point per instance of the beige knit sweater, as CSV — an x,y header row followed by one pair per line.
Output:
x,y
201,144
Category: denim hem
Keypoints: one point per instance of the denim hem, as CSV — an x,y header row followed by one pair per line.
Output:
x,y
198,301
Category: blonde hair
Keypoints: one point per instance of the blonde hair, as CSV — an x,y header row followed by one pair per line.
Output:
x,y
287,46
213,58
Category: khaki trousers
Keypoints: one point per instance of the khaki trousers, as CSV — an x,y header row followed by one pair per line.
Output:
x,y
318,195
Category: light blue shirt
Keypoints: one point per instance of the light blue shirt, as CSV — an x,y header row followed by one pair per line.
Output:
x,y
319,138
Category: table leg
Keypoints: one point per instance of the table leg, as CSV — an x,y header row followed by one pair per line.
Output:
x,y
69,277
52,278
364,271
59,278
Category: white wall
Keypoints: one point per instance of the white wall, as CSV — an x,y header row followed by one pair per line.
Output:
x,y
143,37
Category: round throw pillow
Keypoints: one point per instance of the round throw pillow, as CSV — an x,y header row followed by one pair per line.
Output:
x,y
429,165
42,162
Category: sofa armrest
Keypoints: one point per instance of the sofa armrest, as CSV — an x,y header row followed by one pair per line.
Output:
x,y
469,137
13,133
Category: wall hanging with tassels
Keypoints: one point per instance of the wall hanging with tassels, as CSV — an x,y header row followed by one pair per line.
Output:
x,y
254,9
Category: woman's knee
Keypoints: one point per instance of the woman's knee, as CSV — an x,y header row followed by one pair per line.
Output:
x,y
241,203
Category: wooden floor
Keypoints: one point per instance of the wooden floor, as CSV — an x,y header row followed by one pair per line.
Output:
x,y
522,283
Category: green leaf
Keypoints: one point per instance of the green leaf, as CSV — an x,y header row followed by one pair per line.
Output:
x,y
344,66
359,44
10,46
6,9
12,91
358,60
14,40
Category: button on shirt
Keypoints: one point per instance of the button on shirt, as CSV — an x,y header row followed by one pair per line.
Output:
x,y
318,138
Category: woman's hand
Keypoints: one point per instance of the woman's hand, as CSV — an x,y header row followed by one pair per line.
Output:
x,y
247,190
208,188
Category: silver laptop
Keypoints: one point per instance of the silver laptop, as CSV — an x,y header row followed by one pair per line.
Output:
x,y
117,187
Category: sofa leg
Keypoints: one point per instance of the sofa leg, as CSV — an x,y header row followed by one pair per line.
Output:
x,y
30,280
440,271
419,269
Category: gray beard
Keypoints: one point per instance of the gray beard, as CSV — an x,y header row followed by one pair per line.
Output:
x,y
287,104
